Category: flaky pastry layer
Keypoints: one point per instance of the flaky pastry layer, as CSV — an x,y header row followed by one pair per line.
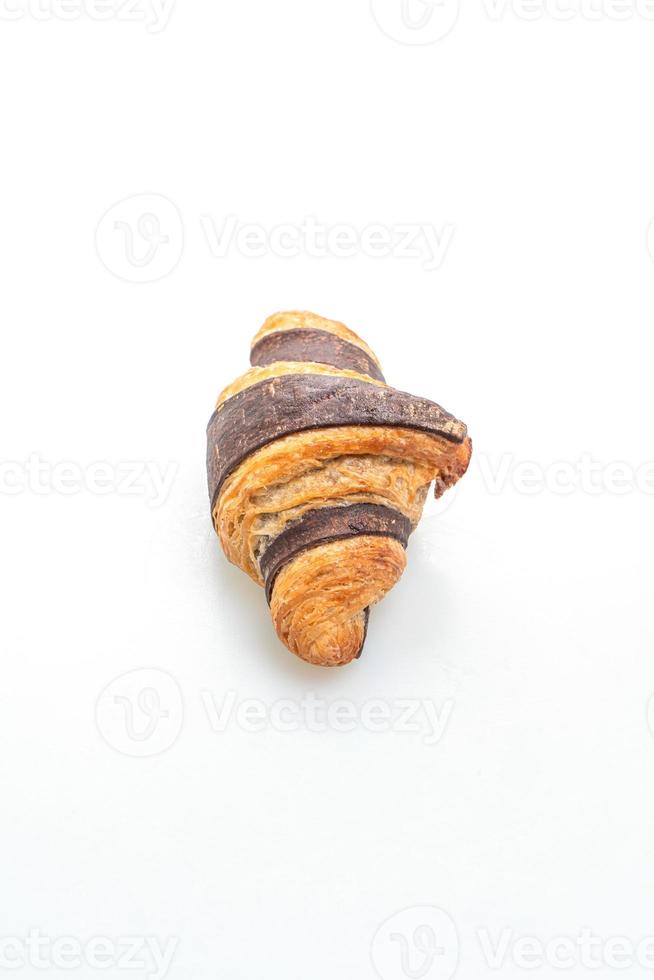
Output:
x,y
417,459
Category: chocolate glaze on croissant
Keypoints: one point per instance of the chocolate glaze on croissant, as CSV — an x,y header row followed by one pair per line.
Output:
x,y
318,472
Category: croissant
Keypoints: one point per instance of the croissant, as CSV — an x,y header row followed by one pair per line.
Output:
x,y
318,472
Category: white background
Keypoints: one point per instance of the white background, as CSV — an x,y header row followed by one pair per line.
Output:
x,y
525,612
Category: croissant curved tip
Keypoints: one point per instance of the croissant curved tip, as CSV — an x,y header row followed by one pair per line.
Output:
x,y
339,644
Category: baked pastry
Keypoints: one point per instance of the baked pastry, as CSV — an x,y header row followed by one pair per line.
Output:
x,y
318,472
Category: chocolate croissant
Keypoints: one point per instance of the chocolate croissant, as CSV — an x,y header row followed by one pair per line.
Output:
x,y
318,472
